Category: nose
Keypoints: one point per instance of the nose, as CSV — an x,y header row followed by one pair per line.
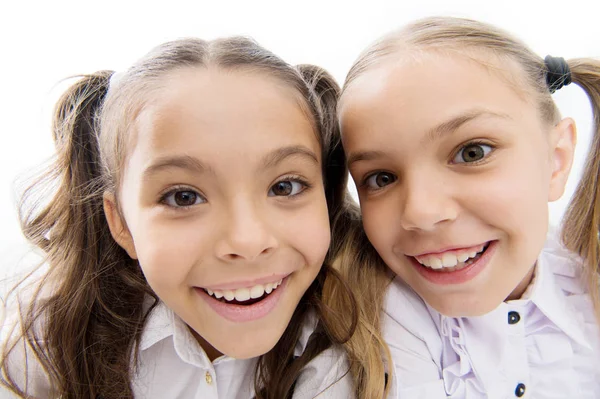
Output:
x,y
427,203
246,233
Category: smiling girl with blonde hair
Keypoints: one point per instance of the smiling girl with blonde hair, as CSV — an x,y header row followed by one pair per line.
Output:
x,y
456,147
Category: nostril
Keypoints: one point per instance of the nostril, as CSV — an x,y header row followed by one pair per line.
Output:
x,y
233,249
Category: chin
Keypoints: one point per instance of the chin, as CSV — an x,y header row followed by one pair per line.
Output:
x,y
241,345
250,352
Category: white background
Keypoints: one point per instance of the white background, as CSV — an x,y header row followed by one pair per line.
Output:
x,y
42,42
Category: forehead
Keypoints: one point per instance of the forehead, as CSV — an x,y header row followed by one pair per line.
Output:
x,y
207,111
426,90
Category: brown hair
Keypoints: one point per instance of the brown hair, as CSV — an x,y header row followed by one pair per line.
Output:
x,y
580,230
86,332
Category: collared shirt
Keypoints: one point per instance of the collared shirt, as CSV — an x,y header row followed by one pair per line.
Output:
x,y
544,345
172,365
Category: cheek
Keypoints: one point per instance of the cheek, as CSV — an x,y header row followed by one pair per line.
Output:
x,y
515,195
379,219
309,233
168,250
305,229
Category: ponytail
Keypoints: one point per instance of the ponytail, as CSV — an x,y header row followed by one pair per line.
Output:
x,y
85,343
582,220
363,269
76,168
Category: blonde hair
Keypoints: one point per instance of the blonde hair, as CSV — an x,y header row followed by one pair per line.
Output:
x,y
470,38
367,274
87,331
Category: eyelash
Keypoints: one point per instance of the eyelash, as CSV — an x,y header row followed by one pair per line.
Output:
x,y
175,190
470,143
293,178
363,183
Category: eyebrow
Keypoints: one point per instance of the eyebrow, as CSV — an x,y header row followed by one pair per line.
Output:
x,y
433,134
459,120
277,156
364,156
194,165
180,162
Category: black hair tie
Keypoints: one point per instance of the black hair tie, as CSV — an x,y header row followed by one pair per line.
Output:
x,y
558,73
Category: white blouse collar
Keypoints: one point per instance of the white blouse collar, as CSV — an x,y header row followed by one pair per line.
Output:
x,y
163,323
556,273
159,326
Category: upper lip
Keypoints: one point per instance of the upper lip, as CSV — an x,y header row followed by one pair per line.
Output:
x,y
438,251
273,278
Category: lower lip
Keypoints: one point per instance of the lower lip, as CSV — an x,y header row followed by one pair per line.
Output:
x,y
242,313
459,276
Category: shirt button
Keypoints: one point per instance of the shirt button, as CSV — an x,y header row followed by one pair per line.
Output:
x,y
208,378
513,317
520,390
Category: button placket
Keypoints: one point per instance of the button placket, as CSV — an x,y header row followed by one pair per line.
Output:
x,y
519,375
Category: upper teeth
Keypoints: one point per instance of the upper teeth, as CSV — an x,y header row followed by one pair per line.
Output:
x,y
448,259
245,294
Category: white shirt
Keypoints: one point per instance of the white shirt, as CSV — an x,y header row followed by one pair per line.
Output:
x,y
551,345
173,365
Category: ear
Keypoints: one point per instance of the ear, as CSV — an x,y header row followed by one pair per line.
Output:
x,y
562,151
117,226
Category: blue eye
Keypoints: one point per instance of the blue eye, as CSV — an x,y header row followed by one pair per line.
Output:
x,y
472,152
287,188
379,180
183,198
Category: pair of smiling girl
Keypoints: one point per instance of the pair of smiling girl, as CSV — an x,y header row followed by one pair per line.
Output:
x,y
200,242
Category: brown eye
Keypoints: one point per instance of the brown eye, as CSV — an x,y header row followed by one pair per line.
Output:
x,y
283,188
472,153
183,198
286,188
379,180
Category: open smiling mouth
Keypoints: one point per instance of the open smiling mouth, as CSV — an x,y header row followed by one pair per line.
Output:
x,y
244,296
453,260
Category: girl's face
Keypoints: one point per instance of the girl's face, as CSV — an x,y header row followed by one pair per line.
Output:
x,y
224,207
454,169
